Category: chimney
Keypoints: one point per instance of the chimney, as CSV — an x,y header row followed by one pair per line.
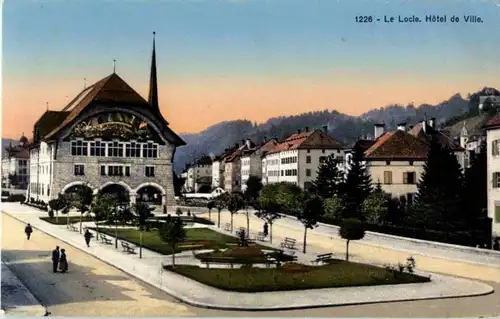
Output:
x,y
410,127
325,129
424,126
378,130
249,143
402,127
432,122
298,131
307,128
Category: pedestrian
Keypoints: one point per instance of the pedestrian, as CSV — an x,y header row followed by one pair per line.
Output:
x,y
496,244
266,229
28,230
87,236
55,259
63,261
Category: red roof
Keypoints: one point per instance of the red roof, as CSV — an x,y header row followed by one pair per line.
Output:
x,y
398,145
307,140
493,123
443,139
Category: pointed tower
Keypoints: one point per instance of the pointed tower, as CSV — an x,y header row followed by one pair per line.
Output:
x,y
153,82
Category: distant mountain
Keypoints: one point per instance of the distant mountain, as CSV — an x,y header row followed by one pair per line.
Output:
x,y
344,127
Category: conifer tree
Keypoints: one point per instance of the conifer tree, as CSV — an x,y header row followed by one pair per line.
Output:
x,y
476,185
330,179
358,185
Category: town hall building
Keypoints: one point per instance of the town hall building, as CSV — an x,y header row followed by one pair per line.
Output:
x,y
109,138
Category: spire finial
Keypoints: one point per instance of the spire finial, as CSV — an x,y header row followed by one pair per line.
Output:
x,y
84,83
153,81
114,66
46,106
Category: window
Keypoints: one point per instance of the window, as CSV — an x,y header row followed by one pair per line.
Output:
x,y
495,150
387,163
308,172
150,171
496,180
323,151
497,213
281,172
133,150
387,177
115,170
79,170
410,197
97,148
115,149
308,159
150,150
127,170
79,148
322,159
103,170
409,178
308,151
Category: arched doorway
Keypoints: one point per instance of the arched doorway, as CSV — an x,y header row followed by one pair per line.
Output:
x,y
120,192
72,191
150,195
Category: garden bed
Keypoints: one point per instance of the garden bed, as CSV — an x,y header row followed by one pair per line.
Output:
x,y
188,219
294,276
63,220
240,255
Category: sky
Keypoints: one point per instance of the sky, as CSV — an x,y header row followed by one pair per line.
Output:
x,y
244,59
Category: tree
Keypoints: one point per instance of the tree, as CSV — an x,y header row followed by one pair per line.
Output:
x,y
290,197
309,215
357,185
254,185
235,202
333,207
220,204
81,200
375,207
439,201
330,179
351,229
476,185
270,209
172,232
103,207
142,213
14,180
210,206
57,204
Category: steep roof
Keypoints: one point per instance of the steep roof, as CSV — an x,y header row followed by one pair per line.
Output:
x,y
241,151
48,122
364,144
316,139
493,123
443,139
398,145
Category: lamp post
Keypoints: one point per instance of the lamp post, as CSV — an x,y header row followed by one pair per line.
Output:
x,y
116,226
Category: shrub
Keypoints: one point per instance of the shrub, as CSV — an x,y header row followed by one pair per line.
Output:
x,y
51,213
16,198
178,211
242,237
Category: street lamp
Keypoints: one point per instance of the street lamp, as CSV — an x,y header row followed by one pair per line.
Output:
x,y
117,211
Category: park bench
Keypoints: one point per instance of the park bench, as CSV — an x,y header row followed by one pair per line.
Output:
x,y
322,258
105,239
261,236
127,247
227,227
72,227
289,243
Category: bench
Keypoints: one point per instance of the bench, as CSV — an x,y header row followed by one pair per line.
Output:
x,y
261,236
105,239
227,227
289,243
127,247
321,258
72,227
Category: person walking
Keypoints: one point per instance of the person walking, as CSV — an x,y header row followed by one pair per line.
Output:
x,y
266,229
496,244
55,259
63,261
28,230
88,236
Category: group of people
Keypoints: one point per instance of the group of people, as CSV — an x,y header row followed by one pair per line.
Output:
x,y
59,260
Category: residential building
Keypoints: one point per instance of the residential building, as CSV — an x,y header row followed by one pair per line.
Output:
x,y
251,162
199,174
15,165
493,171
108,138
232,166
218,167
296,159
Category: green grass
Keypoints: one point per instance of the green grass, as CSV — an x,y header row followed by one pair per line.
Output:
x,y
204,238
293,276
240,255
190,219
63,220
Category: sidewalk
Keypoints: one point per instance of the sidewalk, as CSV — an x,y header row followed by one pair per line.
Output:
x,y
194,293
17,300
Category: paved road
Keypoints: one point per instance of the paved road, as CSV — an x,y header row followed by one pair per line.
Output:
x,y
93,288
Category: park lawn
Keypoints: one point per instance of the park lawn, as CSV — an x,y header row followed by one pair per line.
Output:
x,y
295,277
190,219
197,238
63,219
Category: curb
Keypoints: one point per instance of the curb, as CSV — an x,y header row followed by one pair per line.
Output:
x,y
191,302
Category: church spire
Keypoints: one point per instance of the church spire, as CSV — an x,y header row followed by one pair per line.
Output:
x,y
153,82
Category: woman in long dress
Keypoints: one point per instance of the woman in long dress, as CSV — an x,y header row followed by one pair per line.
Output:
x,y
63,261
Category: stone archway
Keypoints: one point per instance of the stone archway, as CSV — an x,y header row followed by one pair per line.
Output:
x,y
120,190
74,184
150,193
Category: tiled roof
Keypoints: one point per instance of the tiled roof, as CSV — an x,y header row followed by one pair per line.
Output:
x,y
493,123
398,145
307,140
241,151
443,139
48,122
204,160
364,144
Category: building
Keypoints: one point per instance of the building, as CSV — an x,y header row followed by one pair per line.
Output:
x,y
15,165
108,138
493,171
199,174
232,166
296,159
251,163
396,159
218,167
